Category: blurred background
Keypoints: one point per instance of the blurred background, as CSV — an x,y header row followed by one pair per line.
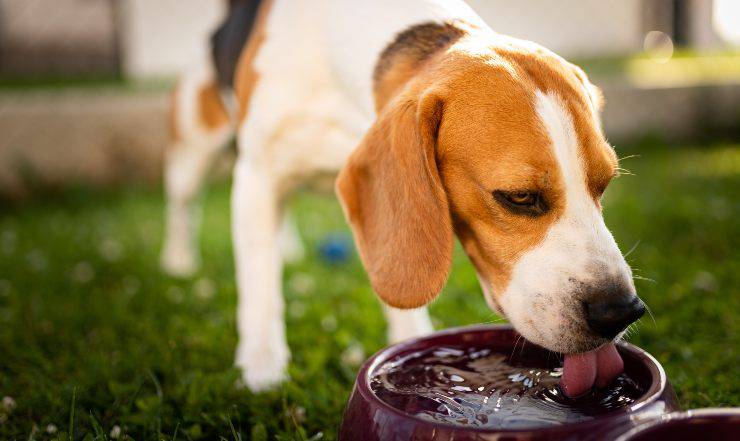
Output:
x,y
84,82
95,342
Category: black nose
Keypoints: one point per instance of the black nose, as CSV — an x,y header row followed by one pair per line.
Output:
x,y
608,317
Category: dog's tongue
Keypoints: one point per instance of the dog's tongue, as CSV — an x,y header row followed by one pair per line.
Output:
x,y
582,371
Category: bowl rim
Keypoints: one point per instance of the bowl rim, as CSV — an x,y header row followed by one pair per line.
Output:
x,y
650,396
714,413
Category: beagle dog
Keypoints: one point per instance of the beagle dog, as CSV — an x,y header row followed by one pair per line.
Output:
x,y
437,126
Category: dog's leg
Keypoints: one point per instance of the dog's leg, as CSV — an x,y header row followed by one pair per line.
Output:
x,y
201,130
407,323
185,170
262,352
290,241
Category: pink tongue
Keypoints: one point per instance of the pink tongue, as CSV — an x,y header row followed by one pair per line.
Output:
x,y
582,371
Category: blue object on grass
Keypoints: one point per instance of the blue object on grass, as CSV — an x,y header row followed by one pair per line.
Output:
x,y
335,248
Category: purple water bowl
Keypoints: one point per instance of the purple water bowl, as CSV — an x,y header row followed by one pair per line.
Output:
x,y
368,418
697,424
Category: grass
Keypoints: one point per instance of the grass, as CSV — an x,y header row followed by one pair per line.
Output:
x,y
85,83
683,68
96,343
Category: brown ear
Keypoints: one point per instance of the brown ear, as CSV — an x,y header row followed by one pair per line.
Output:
x,y
394,200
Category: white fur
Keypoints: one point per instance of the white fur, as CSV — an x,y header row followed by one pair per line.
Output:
x,y
576,246
262,351
299,127
356,32
186,166
311,104
406,323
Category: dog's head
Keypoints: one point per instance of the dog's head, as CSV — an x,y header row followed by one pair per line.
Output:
x,y
500,144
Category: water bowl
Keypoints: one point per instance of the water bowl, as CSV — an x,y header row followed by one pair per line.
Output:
x,y
696,424
486,383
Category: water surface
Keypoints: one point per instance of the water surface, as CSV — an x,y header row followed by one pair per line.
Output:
x,y
482,388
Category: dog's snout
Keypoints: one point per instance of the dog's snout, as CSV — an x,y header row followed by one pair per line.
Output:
x,y
608,316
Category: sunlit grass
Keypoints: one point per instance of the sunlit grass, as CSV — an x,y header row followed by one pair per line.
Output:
x,y
684,68
684,71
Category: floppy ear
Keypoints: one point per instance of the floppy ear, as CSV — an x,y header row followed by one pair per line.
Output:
x,y
394,200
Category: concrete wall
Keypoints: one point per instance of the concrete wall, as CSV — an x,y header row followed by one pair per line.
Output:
x,y
103,138
163,37
701,28
573,28
53,138
73,21
57,37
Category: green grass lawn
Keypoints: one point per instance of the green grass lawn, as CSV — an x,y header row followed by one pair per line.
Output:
x,y
94,337
684,68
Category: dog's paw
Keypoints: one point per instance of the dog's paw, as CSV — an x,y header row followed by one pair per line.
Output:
x,y
178,264
293,251
291,246
264,367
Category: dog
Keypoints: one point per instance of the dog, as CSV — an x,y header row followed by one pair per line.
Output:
x,y
437,126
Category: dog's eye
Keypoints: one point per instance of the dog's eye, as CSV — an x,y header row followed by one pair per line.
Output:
x,y
522,198
530,203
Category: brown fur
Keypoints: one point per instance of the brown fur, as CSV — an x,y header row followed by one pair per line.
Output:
x,y
397,205
570,83
403,57
246,76
492,139
212,112
488,137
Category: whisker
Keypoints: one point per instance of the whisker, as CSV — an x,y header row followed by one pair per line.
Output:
x,y
626,334
524,342
634,269
638,276
634,247
630,331
647,279
624,172
511,356
650,313
495,320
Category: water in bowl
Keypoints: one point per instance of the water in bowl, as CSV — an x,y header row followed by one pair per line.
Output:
x,y
483,388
